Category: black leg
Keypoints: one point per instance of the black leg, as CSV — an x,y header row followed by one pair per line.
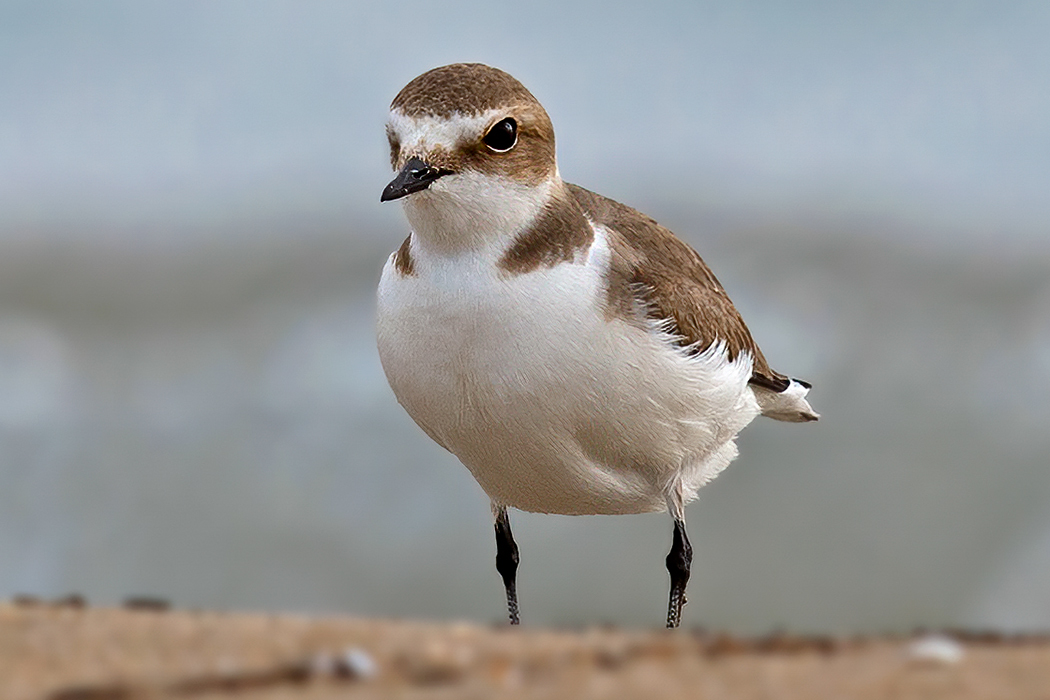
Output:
x,y
507,562
678,561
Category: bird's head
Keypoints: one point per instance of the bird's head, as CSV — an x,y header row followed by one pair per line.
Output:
x,y
473,153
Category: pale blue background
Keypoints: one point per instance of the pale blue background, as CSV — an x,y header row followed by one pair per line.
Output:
x,y
191,405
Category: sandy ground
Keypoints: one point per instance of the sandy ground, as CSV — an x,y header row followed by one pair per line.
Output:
x,y
66,651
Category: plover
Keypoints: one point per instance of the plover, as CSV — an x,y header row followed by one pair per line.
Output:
x,y
575,355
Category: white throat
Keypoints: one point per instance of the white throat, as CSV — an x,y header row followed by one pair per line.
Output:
x,y
472,211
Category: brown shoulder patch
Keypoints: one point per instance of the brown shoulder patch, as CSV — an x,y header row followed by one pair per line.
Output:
x,y
467,88
655,273
403,259
559,233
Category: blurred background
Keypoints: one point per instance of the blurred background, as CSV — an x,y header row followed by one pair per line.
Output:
x,y
191,404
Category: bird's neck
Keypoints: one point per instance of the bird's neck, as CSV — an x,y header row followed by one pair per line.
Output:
x,y
473,212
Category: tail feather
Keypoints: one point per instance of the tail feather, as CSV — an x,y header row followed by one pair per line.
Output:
x,y
789,405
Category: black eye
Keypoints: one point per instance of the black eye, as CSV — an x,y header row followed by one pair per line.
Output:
x,y
502,136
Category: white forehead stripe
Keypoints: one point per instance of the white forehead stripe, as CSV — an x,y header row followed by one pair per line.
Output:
x,y
420,134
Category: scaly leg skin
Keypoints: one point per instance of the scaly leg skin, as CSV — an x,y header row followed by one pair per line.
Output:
x,y
678,561
507,561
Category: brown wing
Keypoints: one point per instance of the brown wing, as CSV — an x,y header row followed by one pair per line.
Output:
x,y
651,264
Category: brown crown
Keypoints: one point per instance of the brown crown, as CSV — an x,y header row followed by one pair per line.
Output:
x,y
466,88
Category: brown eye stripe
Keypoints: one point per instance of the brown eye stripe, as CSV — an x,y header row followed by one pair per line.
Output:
x,y
531,160
395,145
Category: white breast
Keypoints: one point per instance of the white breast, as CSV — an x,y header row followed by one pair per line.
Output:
x,y
553,407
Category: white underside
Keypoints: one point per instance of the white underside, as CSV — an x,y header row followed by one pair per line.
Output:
x,y
551,406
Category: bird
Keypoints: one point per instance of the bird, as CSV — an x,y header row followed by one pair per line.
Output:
x,y
576,356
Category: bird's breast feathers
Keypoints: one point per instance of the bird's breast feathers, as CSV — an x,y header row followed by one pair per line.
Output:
x,y
552,402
